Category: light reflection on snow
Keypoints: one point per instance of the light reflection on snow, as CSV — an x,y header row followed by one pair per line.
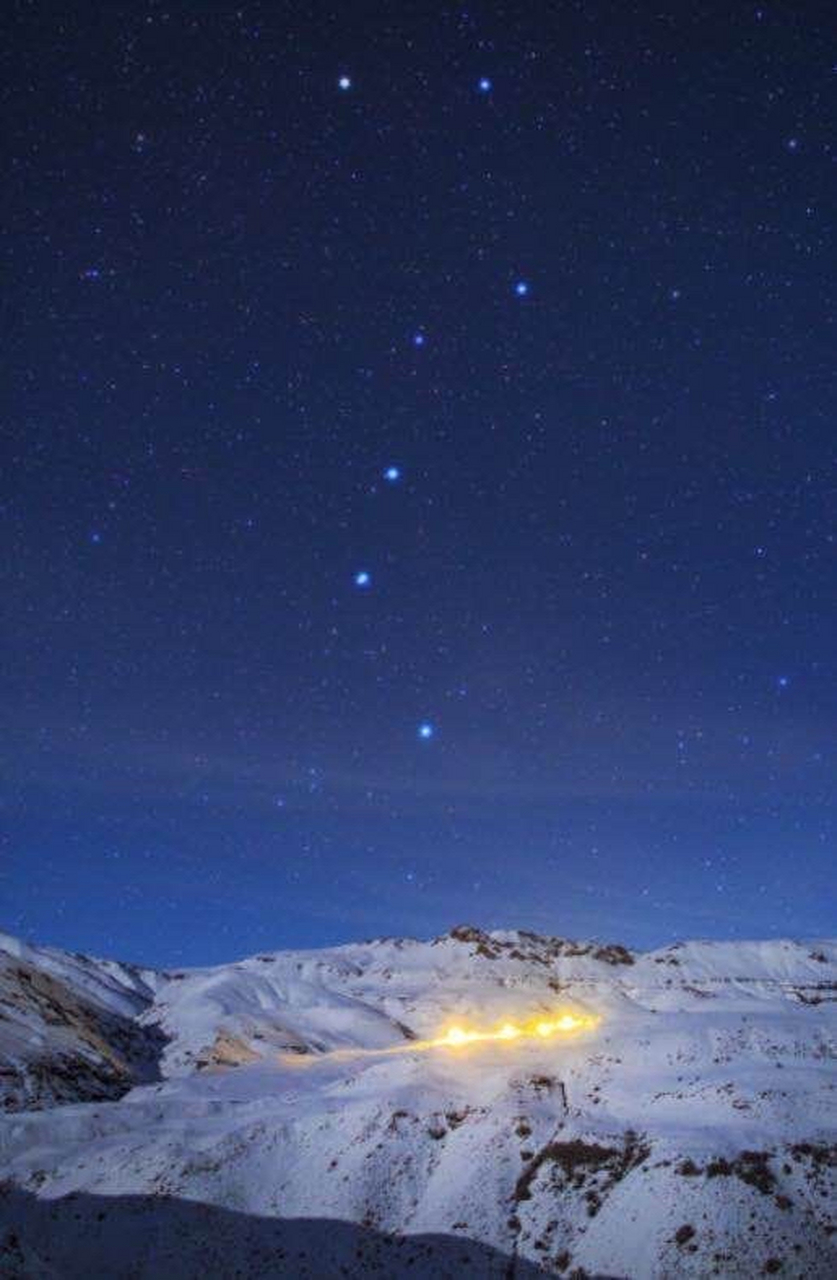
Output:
x,y
562,1024
565,1023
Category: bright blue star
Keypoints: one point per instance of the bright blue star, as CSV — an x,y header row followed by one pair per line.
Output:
x,y
392,474
363,578
484,84
344,83
521,288
783,682
419,339
426,731
96,538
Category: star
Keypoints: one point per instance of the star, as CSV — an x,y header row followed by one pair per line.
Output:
x,y
96,538
344,83
363,578
783,682
392,474
521,288
419,339
426,731
484,84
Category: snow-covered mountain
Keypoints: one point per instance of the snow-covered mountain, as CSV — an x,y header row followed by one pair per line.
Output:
x,y
289,1115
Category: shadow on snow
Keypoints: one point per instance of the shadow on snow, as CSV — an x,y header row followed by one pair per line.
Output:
x,y
160,1238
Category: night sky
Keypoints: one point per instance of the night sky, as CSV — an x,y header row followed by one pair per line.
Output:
x,y
419,472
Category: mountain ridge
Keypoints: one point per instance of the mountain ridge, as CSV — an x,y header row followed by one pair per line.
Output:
x,y
689,1129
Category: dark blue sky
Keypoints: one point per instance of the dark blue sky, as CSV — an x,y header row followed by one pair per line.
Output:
x,y
571,270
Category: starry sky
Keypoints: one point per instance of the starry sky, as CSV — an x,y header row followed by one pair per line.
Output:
x,y
419,472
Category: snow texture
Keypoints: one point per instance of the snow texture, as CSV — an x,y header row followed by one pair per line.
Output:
x,y
253,1119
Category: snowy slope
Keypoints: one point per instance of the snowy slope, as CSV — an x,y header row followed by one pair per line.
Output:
x,y
692,1132
68,1026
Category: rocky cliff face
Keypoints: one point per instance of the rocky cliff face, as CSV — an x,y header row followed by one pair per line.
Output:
x,y
691,1130
70,1029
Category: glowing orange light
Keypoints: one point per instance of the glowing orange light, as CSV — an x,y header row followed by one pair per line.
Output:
x,y
562,1024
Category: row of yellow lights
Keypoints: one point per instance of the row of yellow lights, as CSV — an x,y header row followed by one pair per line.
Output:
x,y
457,1036
563,1024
